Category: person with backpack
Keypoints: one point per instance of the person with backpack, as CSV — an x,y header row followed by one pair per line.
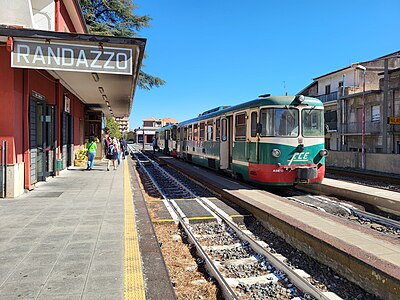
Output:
x,y
111,153
91,151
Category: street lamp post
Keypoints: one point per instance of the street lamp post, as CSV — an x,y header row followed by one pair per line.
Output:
x,y
363,152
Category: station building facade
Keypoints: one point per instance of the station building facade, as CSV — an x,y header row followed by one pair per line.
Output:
x,y
145,134
57,84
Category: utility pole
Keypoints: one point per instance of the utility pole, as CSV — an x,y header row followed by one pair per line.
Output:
x,y
363,153
385,105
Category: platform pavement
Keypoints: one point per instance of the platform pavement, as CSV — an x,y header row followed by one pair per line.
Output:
x,y
65,239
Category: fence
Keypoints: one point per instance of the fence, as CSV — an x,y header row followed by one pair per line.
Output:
x,y
379,162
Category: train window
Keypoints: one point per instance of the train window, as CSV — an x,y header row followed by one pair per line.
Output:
x,y
224,130
279,122
185,132
210,131
190,135
195,132
253,124
173,133
217,129
202,131
240,129
313,122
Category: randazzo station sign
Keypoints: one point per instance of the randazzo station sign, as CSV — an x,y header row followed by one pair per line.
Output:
x,y
70,57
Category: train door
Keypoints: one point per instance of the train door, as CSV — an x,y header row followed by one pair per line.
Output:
x,y
226,142
252,144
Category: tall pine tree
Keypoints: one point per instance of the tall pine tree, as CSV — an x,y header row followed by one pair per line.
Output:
x,y
117,18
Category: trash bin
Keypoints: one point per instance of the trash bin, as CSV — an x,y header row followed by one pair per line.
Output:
x,y
59,164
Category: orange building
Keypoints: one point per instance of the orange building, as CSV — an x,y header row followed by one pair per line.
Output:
x,y
57,84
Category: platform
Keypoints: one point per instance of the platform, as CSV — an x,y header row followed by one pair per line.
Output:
x,y
75,237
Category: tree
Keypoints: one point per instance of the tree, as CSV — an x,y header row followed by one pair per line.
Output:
x,y
116,18
113,127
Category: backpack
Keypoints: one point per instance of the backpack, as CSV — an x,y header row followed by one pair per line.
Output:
x,y
111,149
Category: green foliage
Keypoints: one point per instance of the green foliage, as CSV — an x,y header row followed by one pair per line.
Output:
x,y
116,18
113,127
147,81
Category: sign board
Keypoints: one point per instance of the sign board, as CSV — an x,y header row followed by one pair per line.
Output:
x,y
71,57
38,96
394,120
67,104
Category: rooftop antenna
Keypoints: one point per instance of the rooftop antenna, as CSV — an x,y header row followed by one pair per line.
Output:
x,y
284,87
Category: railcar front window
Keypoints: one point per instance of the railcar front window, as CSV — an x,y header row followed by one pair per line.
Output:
x,y
279,122
313,122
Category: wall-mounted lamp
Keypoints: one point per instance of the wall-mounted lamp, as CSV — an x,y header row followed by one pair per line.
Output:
x,y
95,77
104,97
101,90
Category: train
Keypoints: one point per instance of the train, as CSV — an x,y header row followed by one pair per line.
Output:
x,y
271,140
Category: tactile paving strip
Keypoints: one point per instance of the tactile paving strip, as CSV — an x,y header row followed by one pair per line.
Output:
x,y
133,275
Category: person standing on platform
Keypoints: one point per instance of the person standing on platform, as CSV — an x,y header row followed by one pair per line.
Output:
x,y
118,146
111,153
124,147
91,151
154,144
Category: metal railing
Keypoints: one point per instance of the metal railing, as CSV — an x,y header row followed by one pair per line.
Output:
x,y
328,97
356,127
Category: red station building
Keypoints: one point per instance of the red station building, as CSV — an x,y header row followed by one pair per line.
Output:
x,y
57,84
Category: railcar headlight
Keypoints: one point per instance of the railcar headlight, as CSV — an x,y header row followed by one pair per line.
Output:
x,y
276,153
323,152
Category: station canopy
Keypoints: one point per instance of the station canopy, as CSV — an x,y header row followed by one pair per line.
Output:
x,y
102,71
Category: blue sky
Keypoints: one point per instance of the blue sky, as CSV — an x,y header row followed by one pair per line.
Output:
x,y
222,52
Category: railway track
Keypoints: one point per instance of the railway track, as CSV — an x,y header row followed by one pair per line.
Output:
x,y
375,222
244,266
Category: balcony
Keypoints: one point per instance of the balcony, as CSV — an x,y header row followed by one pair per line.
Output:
x,y
356,127
328,97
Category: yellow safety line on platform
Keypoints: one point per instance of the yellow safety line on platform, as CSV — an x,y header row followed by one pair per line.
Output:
x,y
237,216
133,276
200,218
162,220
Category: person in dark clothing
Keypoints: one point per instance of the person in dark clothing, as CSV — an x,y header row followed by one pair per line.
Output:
x,y
154,144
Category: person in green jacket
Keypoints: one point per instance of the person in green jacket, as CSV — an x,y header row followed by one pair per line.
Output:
x,y
91,150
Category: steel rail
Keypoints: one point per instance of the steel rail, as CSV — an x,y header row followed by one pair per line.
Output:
x,y
377,219
211,268
295,278
353,211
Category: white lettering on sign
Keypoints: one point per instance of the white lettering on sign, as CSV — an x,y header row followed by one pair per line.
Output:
x,y
93,65
67,57
82,59
23,55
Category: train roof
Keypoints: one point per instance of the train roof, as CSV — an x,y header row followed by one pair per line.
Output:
x,y
264,101
166,127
